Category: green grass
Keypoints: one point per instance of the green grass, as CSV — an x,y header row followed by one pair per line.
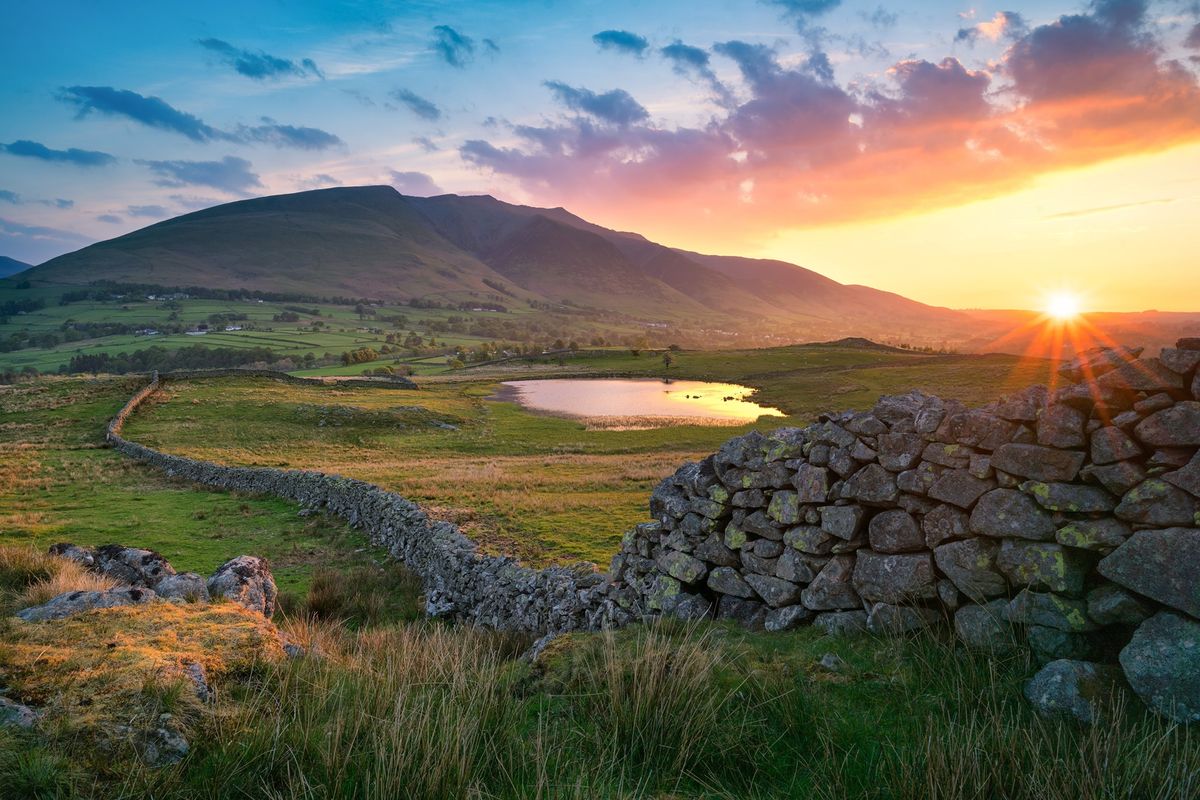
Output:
x,y
59,483
543,488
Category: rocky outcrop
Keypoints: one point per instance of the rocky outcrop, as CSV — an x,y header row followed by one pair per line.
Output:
x,y
72,603
245,580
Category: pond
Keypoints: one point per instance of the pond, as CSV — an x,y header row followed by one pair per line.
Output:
x,y
635,403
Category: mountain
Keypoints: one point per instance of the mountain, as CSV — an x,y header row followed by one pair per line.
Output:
x,y
372,241
10,266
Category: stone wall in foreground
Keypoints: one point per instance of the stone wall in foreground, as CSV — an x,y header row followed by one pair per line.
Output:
x,y
459,581
1070,516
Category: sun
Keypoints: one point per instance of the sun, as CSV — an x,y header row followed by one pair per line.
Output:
x,y
1063,305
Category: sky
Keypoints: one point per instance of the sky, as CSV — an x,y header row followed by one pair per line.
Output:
x,y
962,154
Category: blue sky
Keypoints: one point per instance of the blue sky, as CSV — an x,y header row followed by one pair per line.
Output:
x,y
720,125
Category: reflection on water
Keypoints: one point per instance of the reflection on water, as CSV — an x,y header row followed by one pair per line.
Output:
x,y
639,402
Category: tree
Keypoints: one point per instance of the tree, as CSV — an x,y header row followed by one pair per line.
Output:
x,y
668,360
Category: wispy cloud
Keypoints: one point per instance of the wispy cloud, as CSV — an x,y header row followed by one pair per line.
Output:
x,y
456,49
294,136
1085,212
616,106
72,155
261,66
418,184
423,108
622,42
230,174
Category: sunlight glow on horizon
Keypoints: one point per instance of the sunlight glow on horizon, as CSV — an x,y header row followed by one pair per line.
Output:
x,y
1063,305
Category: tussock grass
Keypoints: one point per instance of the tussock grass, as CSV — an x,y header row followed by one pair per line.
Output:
x,y
29,577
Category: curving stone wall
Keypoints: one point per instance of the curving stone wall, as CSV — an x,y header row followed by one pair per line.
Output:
x,y
390,382
459,581
1071,516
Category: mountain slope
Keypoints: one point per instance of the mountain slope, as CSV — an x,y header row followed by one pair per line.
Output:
x,y
10,266
371,241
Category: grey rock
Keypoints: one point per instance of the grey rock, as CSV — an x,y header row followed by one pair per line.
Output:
x,y
768,548
793,566
15,715
919,479
1109,604
885,619
1097,361
1118,478
747,613
1144,375
971,565
83,555
1178,426
1007,512
1070,497
809,539
1111,444
953,456
682,567
163,745
752,563
1075,689
841,623
842,521
983,627
960,488
832,662
784,508
713,551
1162,664
1048,644
872,486
131,566
759,524
1155,502
895,531
1099,535
182,586
198,676
832,589
1037,463
900,451
775,591
727,580
981,467
1049,610
663,593
945,523
786,618
1181,361
749,498
692,607
916,504
948,594
1156,402
1061,426
1163,565
1044,565
71,603
888,578
1186,478
245,580
812,483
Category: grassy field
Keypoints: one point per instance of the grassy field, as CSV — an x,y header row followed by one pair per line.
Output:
x,y
543,488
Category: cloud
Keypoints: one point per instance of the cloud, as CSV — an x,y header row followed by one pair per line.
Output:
x,y
1004,25
17,200
455,48
426,144
73,155
694,62
1193,38
111,219
295,136
414,183
881,17
927,134
425,109
1085,212
319,181
622,42
10,197
616,106
153,211
261,66
801,13
34,244
230,174
61,203
151,111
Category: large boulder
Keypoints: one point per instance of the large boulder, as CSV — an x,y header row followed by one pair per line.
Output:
x,y
1178,426
182,586
131,566
82,555
894,578
1163,565
245,580
69,604
895,531
1008,512
1076,689
1162,664
1044,565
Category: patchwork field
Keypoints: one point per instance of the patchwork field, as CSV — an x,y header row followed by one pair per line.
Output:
x,y
545,489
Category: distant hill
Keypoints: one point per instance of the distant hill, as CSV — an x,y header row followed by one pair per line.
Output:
x,y
10,266
372,241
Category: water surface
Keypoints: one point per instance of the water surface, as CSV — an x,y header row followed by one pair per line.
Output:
x,y
626,403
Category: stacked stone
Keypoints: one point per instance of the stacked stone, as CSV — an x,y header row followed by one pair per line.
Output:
x,y
1071,516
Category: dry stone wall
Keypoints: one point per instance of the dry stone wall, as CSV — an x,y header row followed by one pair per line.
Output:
x,y
1069,516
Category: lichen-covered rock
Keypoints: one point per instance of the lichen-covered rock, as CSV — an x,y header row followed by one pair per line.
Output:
x,y
1061,426
812,483
182,586
841,623
1011,513
1162,664
245,580
872,486
895,531
71,603
1099,535
1044,565
727,580
983,627
959,487
844,522
131,566
1049,644
945,523
900,451
787,618
1111,444
82,555
1155,502
1178,426
1049,610
809,539
775,591
1077,689
681,566
15,715
832,589
971,566
1070,497
749,614
894,578
1186,477
1163,565
784,508
796,567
